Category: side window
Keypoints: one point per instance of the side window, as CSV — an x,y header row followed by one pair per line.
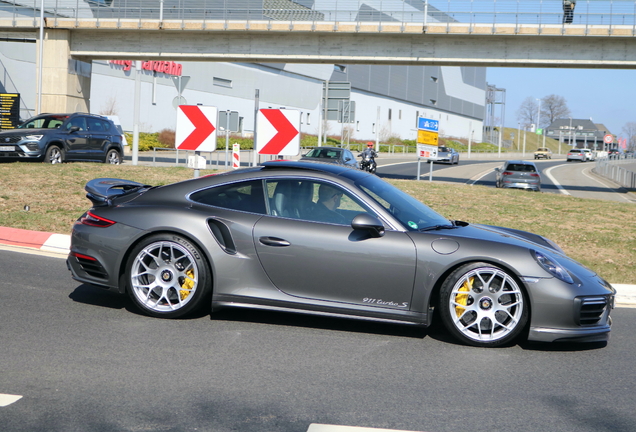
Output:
x,y
312,201
77,121
244,196
95,125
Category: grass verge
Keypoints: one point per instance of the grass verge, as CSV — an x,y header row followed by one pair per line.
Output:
x,y
599,234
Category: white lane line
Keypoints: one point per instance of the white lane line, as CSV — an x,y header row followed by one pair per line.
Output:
x,y
585,173
7,399
315,427
481,175
556,183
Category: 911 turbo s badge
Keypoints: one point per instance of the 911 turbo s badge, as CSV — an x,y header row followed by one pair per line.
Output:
x,y
384,303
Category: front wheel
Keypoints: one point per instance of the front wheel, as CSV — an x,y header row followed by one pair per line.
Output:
x,y
54,155
167,276
482,305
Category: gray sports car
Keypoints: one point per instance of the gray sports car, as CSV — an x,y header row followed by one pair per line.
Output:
x,y
325,239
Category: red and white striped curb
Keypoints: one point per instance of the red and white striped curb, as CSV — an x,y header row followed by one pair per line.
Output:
x,y
44,241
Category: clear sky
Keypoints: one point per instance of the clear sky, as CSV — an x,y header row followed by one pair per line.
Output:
x,y
607,96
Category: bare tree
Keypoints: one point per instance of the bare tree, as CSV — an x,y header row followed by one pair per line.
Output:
x,y
109,107
630,130
553,107
527,112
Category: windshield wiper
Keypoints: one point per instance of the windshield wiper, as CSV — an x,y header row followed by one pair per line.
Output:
x,y
438,227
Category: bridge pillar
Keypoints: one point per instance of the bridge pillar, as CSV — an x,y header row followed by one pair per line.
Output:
x,y
66,83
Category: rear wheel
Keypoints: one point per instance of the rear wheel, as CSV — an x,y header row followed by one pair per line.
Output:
x,y
54,155
113,157
482,305
167,276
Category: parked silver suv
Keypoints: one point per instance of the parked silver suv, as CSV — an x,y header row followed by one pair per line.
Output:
x,y
57,138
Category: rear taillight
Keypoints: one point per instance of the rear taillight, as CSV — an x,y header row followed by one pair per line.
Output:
x,y
93,220
82,256
534,175
507,173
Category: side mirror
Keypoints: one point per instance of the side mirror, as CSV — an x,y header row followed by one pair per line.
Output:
x,y
497,169
366,222
74,129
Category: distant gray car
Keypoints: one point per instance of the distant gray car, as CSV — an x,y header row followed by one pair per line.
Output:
x,y
518,174
327,240
447,155
334,155
577,154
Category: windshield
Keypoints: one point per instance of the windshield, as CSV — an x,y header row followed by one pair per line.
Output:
x,y
327,153
410,212
44,122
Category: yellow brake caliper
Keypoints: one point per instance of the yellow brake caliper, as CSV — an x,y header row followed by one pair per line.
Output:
x,y
462,299
187,286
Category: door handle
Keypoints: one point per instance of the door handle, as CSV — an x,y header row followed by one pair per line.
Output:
x,y
273,241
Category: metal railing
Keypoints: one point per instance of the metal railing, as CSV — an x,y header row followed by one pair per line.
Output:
x,y
517,12
611,169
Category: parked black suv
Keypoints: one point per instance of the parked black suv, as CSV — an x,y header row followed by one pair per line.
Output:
x,y
56,138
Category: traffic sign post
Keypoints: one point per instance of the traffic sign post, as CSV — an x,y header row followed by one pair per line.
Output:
x,y
236,155
427,143
277,132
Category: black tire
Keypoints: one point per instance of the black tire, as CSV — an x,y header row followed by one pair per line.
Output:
x,y
493,311
54,155
113,157
167,276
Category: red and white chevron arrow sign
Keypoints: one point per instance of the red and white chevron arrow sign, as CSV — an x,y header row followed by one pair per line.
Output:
x,y
196,128
277,132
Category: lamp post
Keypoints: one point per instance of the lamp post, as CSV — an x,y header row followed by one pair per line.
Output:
x,y
539,115
570,133
518,134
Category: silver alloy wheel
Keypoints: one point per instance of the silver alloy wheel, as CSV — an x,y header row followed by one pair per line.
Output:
x,y
486,304
164,276
54,155
113,157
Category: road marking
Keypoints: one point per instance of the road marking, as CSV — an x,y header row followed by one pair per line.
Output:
x,y
481,175
585,173
315,427
7,399
556,183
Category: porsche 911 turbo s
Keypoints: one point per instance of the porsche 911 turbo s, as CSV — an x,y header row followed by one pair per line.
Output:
x,y
325,239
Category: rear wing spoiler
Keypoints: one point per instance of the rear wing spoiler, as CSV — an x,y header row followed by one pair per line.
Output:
x,y
102,190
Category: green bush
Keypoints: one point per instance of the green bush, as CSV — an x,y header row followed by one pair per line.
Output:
x,y
147,141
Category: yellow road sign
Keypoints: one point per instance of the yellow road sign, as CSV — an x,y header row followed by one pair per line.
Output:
x,y
428,138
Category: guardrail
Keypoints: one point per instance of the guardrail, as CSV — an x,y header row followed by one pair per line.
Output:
x,y
611,169
586,12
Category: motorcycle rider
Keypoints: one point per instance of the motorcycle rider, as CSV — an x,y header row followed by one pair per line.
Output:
x,y
371,154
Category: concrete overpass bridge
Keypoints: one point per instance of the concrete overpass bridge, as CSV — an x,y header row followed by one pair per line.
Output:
x,y
494,33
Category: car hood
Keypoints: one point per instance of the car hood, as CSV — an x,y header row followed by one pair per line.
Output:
x,y
524,239
23,131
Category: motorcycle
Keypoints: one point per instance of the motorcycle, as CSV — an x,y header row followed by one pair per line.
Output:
x,y
367,163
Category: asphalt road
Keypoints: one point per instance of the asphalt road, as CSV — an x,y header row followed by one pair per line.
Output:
x,y
85,360
557,176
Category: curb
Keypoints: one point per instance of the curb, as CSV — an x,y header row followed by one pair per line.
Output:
x,y
59,245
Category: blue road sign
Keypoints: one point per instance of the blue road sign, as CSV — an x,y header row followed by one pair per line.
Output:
x,y
428,124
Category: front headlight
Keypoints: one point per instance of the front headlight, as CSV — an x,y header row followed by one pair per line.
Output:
x,y
34,137
552,267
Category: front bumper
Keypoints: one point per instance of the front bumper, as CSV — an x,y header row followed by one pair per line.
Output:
x,y
578,312
21,150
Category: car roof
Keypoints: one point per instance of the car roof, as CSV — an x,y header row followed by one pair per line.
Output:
x,y
309,165
522,162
